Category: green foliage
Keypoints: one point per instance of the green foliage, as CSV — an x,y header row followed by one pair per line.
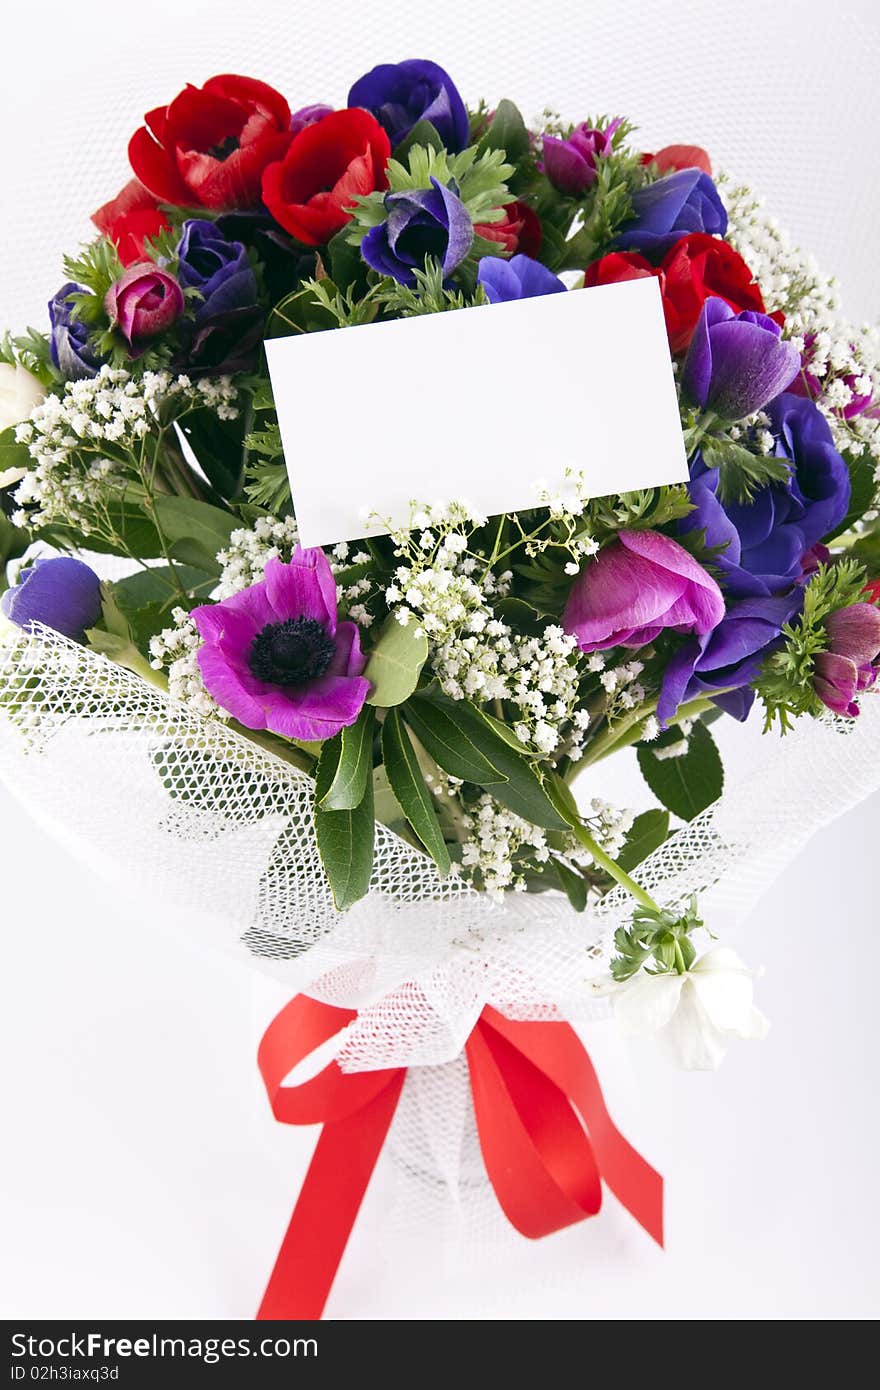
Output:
x,y
219,447
13,543
863,474
96,268
506,132
479,178
658,938
598,216
649,832
741,473
345,838
427,296
685,785
785,683
522,789
395,663
411,793
194,531
440,733
346,763
31,350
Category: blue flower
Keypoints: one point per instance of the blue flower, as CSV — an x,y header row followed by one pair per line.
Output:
x,y
420,223
736,363
728,658
61,592
69,343
668,209
226,330
519,278
765,540
402,94
219,269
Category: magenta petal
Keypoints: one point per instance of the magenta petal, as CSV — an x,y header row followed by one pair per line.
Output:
x,y
317,711
227,686
618,593
304,588
706,598
855,632
347,659
254,603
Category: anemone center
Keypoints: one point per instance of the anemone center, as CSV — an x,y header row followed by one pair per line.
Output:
x,y
224,148
293,652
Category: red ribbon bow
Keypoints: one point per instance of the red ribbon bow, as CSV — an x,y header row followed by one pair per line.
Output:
x,y
546,1137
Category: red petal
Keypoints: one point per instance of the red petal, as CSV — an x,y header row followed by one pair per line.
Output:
x,y
250,92
673,157
156,170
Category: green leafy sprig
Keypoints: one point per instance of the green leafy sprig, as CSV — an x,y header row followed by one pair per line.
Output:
x,y
785,684
658,940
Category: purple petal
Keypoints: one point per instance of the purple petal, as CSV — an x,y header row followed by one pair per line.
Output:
x,y
224,682
696,375
316,711
566,167
854,632
304,588
461,228
708,603
347,659
677,679
749,367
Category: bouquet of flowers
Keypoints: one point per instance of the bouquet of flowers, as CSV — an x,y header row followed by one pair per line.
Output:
x,y
373,760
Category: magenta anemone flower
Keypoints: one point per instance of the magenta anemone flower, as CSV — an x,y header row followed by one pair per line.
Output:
x,y
638,585
275,657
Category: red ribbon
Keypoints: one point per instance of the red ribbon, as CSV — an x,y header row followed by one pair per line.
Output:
x,y
547,1139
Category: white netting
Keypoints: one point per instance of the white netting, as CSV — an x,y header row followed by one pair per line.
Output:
x,y
219,830
202,818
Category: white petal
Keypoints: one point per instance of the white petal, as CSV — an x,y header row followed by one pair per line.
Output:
x,y
648,1003
719,958
696,1045
757,1026
727,997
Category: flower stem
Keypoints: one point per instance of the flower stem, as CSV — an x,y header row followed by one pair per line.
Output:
x,y
612,868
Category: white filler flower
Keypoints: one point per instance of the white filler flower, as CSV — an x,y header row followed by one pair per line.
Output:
x,y
697,1013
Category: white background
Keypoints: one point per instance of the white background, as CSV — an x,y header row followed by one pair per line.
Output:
x,y
142,1174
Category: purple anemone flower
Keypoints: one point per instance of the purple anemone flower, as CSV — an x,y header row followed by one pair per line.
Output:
x,y
665,211
425,222
729,658
848,666
519,278
737,363
402,94
638,586
60,592
275,656
570,164
69,345
308,115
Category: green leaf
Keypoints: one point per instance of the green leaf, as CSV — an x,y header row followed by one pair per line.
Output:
x,y
863,486
13,542
442,736
506,132
300,312
347,265
422,133
352,762
522,792
648,833
409,787
395,663
573,884
345,843
740,472
689,784
156,585
218,445
195,531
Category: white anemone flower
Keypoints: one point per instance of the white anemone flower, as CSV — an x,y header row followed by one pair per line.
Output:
x,y
697,1013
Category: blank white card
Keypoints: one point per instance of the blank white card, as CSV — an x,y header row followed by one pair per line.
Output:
x,y
477,405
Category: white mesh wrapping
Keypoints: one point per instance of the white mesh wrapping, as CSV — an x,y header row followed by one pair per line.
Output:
x,y
218,831
206,821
